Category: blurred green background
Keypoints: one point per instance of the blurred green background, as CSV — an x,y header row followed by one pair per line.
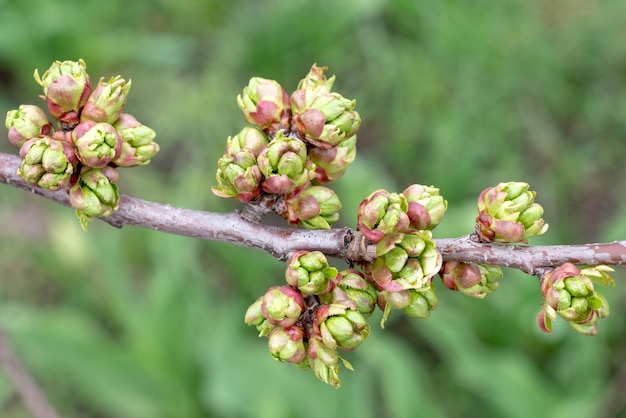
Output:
x,y
460,94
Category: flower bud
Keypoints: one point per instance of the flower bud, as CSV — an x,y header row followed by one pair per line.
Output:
x,y
426,206
26,122
310,273
405,260
325,362
357,288
249,138
415,303
96,143
66,86
107,101
475,280
95,193
265,103
569,292
339,326
285,165
507,213
254,316
327,120
382,213
287,344
239,176
138,145
282,305
313,207
331,163
46,162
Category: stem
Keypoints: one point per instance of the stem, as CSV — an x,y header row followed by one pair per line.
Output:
x,y
341,243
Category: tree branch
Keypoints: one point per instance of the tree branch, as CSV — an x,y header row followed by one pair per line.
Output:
x,y
341,243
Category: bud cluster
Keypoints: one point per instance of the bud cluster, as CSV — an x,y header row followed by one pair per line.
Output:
x,y
569,292
401,224
298,143
93,138
319,311
507,213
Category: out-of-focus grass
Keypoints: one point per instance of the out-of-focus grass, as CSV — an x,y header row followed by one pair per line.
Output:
x,y
134,323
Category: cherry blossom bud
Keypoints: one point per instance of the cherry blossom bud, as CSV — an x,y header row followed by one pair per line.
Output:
x,y
97,144
66,86
26,122
138,146
285,165
265,103
310,272
47,162
282,305
313,207
382,213
286,344
507,213
426,206
107,101
95,193
405,260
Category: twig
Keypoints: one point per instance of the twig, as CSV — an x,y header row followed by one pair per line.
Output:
x,y
25,385
342,243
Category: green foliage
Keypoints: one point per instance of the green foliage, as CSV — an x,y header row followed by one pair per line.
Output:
x,y
136,323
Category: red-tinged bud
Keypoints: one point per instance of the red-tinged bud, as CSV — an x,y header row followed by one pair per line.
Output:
x,y
310,272
286,344
285,165
97,144
382,213
405,260
507,213
107,101
26,122
47,162
94,194
282,305
265,103
331,163
66,86
426,206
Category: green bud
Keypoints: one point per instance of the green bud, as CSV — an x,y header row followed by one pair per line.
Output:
x,y
331,163
310,273
475,280
238,175
107,101
282,305
138,145
66,86
382,213
426,207
328,120
405,260
287,344
285,165
357,288
254,316
47,162
26,122
251,139
507,213
313,207
265,103
97,144
569,292
340,327
95,193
